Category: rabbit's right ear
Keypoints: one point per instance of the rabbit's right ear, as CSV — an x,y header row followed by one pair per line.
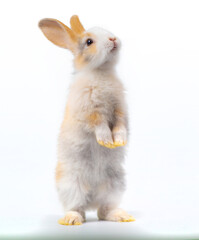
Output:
x,y
76,25
58,33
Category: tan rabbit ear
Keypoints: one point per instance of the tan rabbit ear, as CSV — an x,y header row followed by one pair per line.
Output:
x,y
76,25
58,33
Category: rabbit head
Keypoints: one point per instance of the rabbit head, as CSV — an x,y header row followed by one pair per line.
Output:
x,y
92,49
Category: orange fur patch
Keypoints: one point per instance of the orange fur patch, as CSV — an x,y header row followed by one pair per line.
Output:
x,y
116,128
58,171
79,62
119,120
87,34
68,119
94,119
119,113
83,58
92,49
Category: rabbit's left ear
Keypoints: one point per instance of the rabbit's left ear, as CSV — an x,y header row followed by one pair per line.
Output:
x,y
58,33
76,25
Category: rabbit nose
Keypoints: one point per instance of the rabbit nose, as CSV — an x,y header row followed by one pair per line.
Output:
x,y
112,39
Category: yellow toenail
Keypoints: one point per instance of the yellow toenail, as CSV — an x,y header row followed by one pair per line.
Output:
x,y
119,144
108,145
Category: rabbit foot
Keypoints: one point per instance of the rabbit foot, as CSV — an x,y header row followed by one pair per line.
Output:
x,y
119,215
71,218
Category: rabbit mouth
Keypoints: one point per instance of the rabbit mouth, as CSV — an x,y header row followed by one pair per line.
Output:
x,y
114,46
113,49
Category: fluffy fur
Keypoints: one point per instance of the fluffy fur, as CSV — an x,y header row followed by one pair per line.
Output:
x,y
89,173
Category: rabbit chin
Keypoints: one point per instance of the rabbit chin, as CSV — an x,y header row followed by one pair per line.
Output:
x,y
104,61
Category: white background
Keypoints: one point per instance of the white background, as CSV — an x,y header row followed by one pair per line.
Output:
x,y
159,67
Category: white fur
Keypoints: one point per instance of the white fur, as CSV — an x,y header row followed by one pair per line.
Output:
x,y
91,176
85,161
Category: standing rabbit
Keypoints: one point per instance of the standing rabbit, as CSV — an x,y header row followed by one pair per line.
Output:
x,y
89,172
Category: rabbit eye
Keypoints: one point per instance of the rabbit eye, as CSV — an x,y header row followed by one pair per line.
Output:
x,y
89,42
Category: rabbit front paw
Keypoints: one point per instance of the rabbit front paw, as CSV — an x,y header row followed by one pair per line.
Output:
x,y
119,136
104,137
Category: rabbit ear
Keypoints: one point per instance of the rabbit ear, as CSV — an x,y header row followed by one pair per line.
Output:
x,y
76,25
58,33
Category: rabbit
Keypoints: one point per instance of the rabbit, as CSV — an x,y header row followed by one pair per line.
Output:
x,y
94,132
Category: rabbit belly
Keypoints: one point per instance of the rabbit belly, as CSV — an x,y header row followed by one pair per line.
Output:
x,y
89,174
